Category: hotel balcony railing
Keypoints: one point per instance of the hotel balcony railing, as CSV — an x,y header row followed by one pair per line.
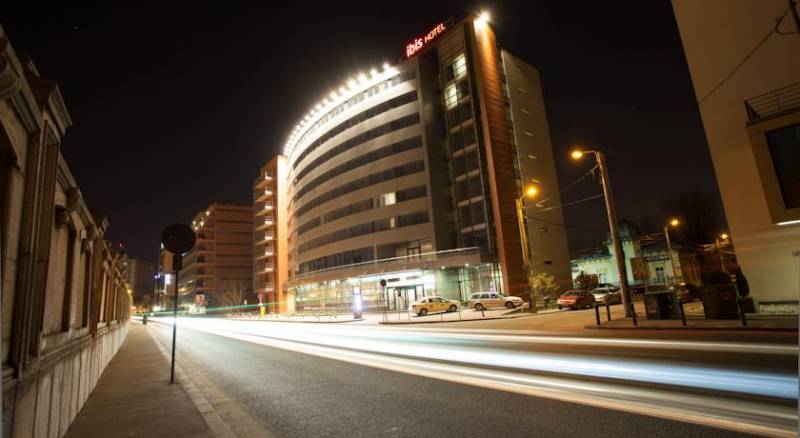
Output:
x,y
266,237
773,104
263,208
267,267
269,287
262,194
266,223
267,253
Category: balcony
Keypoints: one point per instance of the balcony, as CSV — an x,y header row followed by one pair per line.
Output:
x,y
267,267
266,254
266,237
263,209
269,287
773,104
262,194
266,223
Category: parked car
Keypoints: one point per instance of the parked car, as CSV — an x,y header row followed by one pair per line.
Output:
x,y
427,305
607,295
487,300
575,299
608,286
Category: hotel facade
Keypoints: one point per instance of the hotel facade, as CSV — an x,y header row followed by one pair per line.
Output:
x,y
407,181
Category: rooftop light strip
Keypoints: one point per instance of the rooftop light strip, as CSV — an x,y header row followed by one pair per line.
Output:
x,y
353,86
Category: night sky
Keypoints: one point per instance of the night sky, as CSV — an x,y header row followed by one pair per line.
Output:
x,y
178,106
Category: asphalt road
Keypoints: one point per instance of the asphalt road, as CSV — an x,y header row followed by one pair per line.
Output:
x,y
291,394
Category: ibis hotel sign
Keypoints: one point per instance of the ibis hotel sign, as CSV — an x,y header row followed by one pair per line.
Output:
x,y
418,43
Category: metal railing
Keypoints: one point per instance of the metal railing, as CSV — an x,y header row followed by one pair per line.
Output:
x,y
773,104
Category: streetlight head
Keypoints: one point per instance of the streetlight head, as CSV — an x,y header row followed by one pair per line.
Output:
x,y
531,191
724,236
577,154
674,222
482,20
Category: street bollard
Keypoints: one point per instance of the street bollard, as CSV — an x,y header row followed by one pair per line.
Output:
x,y
144,319
633,314
608,311
597,314
741,312
683,314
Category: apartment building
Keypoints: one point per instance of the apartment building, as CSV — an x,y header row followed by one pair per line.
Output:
x,y
270,239
218,271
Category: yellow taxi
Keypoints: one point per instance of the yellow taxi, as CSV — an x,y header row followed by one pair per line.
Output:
x,y
427,305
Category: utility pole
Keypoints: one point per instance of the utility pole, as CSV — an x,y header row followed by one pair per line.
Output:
x,y
612,223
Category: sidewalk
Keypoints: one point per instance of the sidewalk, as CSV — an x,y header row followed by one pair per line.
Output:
x,y
785,323
134,398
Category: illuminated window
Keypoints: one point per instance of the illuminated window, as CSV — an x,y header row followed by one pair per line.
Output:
x,y
460,67
451,96
387,199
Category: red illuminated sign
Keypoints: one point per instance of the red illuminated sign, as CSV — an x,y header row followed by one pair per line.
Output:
x,y
418,43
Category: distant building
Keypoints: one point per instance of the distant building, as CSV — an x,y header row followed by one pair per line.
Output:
x,y
410,177
165,281
139,277
647,261
750,105
218,271
270,235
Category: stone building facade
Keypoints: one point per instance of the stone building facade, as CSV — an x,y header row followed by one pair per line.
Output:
x,y
64,302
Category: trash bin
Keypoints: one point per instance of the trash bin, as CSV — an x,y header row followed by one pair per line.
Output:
x,y
144,319
719,302
661,304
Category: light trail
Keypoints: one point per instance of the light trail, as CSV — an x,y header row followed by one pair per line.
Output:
x,y
478,359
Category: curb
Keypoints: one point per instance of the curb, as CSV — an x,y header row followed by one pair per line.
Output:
x,y
214,422
751,329
455,320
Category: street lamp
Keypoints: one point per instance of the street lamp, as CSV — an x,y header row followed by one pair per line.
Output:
x,y
612,224
674,223
718,242
529,192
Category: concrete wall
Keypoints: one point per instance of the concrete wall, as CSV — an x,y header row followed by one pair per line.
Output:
x,y
717,36
46,404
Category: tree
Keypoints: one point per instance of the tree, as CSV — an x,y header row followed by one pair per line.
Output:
x,y
542,285
586,281
700,213
232,292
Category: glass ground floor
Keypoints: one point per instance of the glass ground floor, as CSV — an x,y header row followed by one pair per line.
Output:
x,y
395,290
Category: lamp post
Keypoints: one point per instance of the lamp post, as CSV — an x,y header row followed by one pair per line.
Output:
x,y
719,241
673,223
529,192
611,209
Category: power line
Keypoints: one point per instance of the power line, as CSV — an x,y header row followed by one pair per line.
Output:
x,y
774,29
570,185
567,204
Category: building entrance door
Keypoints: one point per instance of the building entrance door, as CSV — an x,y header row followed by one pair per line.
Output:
x,y
401,297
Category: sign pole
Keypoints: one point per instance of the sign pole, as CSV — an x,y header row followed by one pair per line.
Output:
x,y
176,262
177,239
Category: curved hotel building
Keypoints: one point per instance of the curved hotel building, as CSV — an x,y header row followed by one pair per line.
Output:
x,y
406,182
